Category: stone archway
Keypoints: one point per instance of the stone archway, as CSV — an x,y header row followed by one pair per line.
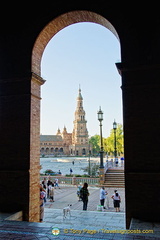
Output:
x,y
41,42
58,24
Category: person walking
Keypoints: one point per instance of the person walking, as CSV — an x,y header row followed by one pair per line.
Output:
x,y
51,192
84,193
49,182
44,185
42,196
56,183
116,200
102,196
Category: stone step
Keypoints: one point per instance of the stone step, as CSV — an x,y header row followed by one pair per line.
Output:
x,y
115,171
114,175
117,182
113,186
114,178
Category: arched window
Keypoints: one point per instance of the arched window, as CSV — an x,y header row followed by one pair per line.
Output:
x,y
83,151
47,150
52,150
61,150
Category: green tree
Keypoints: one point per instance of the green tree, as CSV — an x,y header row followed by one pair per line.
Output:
x,y
95,142
109,142
94,168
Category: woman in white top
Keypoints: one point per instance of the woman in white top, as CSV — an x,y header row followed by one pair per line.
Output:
x,y
117,199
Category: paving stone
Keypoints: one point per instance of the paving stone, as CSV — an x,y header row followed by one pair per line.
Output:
x,y
91,220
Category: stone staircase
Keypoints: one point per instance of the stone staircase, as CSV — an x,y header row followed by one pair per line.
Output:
x,y
114,177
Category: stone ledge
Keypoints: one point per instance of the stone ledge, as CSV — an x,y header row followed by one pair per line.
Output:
x,y
18,216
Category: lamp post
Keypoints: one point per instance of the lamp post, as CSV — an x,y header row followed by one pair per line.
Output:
x,y
101,167
100,118
115,141
89,160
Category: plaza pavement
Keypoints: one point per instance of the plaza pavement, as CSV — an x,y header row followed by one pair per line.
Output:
x,y
90,224
67,194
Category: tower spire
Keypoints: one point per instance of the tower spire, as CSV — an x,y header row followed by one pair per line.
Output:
x,y
80,143
79,98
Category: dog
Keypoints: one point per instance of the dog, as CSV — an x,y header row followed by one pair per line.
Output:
x,y
66,211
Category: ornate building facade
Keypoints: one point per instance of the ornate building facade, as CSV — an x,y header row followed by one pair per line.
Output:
x,y
64,143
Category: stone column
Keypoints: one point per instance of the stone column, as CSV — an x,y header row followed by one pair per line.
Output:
x,y
141,98
34,171
19,148
73,180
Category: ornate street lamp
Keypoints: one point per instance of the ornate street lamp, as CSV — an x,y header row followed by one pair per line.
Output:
x,y
115,141
100,118
89,154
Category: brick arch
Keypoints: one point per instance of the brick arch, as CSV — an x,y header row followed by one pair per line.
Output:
x,y
32,213
58,24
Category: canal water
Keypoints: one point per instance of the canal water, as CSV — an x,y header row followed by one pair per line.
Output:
x,y
65,163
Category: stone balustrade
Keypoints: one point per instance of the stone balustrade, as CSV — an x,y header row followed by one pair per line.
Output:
x,y
72,180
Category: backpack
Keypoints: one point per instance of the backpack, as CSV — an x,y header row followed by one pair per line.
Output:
x,y
81,193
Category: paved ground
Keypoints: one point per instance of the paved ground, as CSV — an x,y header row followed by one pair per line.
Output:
x,y
68,195
90,224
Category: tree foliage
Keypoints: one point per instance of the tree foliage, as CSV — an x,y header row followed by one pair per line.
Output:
x,y
108,143
94,141
93,169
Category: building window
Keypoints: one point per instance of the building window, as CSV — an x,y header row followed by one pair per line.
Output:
x,y
61,150
83,151
52,150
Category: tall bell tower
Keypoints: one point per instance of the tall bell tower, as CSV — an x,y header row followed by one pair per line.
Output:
x,y
80,143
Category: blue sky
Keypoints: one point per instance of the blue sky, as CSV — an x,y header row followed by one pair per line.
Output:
x,y
81,54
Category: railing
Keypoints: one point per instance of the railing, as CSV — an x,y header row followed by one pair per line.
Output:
x,y
108,165
90,181
112,164
72,180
